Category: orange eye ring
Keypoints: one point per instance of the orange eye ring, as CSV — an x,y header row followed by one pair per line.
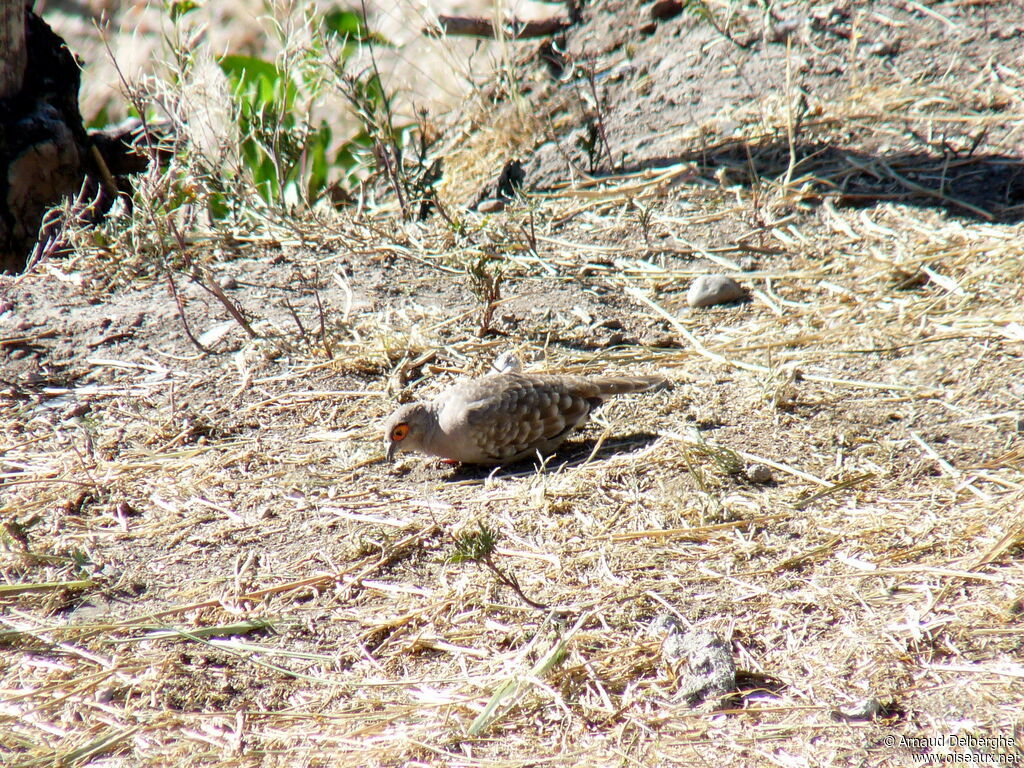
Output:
x,y
399,432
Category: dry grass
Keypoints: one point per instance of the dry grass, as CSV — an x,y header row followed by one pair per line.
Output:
x,y
227,580
209,565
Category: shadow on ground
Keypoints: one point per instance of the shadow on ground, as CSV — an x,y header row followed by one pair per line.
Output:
x,y
570,455
983,187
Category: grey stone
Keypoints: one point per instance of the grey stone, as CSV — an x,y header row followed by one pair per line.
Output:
x,y
708,290
706,668
492,205
759,473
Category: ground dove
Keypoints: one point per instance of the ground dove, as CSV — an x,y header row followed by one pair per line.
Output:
x,y
503,417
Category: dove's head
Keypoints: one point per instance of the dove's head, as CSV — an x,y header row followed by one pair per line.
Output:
x,y
406,429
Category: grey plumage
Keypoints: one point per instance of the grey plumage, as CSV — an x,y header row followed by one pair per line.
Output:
x,y
503,417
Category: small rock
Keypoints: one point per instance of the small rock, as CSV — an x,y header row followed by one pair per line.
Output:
x,y
508,362
228,283
6,306
708,290
80,409
662,341
883,47
759,473
493,205
703,660
19,353
614,340
867,709
906,280
106,694
864,710
666,9
748,263
785,29
830,13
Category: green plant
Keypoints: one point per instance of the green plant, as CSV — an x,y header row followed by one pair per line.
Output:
x,y
400,152
486,274
595,142
288,153
645,217
479,547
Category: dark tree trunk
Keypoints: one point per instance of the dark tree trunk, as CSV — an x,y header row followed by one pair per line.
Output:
x,y
44,149
12,43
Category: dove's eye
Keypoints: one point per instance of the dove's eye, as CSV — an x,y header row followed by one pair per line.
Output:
x,y
399,432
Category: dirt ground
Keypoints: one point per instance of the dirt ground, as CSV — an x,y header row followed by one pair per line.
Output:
x,y
207,562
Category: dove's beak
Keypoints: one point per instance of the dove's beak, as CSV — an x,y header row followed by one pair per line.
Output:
x,y
391,450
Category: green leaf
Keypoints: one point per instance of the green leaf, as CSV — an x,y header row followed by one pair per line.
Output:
x,y
100,120
253,79
179,8
347,24
350,26
217,206
318,165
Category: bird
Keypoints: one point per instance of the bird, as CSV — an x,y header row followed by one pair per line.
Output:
x,y
502,418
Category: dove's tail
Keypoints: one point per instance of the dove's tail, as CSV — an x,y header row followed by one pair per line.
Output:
x,y
620,385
